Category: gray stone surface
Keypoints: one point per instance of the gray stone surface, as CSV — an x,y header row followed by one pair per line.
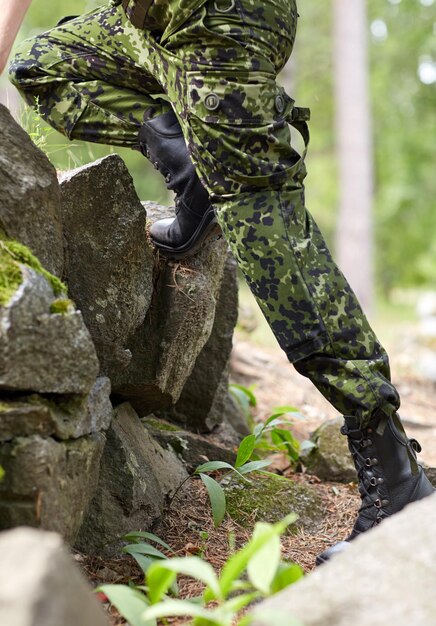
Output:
x,y
387,576
109,260
331,459
202,404
179,323
194,449
29,195
66,417
48,483
41,351
136,476
40,585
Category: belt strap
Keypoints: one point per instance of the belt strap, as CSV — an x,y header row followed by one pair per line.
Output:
x,y
136,11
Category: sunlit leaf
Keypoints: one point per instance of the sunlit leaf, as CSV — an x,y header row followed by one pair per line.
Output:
x,y
212,466
129,602
287,574
245,450
188,566
253,466
263,565
217,498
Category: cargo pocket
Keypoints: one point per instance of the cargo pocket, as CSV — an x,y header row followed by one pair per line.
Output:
x,y
240,125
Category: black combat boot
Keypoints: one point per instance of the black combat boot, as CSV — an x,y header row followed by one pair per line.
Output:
x,y
388,473
161,140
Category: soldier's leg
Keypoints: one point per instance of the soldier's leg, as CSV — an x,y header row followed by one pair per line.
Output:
x,y
90,78
235,118
236,121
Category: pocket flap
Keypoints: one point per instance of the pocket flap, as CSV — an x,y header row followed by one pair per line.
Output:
x,y
251,98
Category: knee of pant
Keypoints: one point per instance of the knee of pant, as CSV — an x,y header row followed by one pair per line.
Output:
x,y
24,67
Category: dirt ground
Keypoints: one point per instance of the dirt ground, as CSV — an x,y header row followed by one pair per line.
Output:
x,y
275,384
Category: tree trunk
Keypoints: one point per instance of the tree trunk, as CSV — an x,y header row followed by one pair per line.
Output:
x,y
354,242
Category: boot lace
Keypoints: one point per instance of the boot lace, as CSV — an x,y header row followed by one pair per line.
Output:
x,y
360,444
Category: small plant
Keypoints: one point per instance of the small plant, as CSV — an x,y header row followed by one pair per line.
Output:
x,y
272,435
254,572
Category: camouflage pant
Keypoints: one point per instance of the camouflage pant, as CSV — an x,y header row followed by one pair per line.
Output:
x,y
98,78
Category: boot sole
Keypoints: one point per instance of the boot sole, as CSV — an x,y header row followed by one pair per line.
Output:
x,y
206,230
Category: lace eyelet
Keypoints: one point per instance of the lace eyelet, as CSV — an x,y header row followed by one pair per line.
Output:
x,y
371,462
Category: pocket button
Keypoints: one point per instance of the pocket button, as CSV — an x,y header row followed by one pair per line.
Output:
x,y
211,102
280,104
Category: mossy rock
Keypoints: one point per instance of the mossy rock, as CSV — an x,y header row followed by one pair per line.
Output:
x,y
12,255
161,425
270,498
331,459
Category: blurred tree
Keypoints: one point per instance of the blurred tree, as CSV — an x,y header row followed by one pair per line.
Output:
x,y
354,240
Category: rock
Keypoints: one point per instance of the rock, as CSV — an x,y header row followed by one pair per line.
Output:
x,y
48,590
66,417
387,576
29,195
42,351
431,475
270,499
48,483
178,325
136,477
331,459
202,404
234,417
194,449
109,260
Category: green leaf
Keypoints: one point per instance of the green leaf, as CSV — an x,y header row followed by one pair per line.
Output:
x,y
254,466
282,410
284,438
159,580
263,565
245,450
144,548
287,574
129,602
239,561
217,498
144,562
144,535
258,430
246,391
174,608
191,566
213,466
2,473
306,447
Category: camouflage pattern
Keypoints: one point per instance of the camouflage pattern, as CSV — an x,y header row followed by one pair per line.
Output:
x,y
97,78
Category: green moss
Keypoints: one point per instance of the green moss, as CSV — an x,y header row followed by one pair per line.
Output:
x,y
62,306
10,276
160,425
12,253
270,499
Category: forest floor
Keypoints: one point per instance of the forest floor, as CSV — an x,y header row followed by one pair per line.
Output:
x,y
275,383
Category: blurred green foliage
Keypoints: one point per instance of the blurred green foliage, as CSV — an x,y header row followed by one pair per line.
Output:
x,y
402,36
402,44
